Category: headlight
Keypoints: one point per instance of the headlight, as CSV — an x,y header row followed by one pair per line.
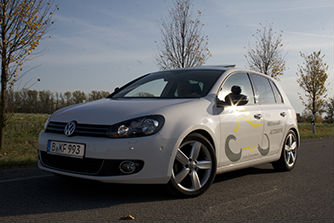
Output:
x,y
137,127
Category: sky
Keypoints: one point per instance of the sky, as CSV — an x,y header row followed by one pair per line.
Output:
x,y
103,44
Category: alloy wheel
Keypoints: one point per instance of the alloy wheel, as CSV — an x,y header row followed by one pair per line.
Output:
x,y
290,150
193,166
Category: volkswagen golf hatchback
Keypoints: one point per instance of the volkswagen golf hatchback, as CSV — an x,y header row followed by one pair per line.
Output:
x,y
178,127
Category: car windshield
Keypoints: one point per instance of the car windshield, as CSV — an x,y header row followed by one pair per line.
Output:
x,y
170,84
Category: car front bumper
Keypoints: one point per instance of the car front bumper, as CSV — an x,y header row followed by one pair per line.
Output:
x,y
155,152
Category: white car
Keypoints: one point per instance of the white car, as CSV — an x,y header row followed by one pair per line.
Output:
x,y
178,127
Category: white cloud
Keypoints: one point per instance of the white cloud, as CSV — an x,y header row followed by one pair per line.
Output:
x,y
291,88
308,41
269,7
94,58
317,35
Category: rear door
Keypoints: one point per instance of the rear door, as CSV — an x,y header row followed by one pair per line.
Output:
x,y
273,113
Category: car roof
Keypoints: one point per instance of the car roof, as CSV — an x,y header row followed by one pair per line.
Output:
x,y
205,67
229,68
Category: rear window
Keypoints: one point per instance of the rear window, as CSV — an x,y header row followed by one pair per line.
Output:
x,y
277,94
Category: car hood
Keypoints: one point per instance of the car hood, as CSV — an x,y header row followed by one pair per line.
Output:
x,y
110,111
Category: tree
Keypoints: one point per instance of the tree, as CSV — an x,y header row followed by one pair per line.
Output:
x,y
329,110
23,23
46,102
95,95
182,42
266,55
31,100
68,98
78,96
312,76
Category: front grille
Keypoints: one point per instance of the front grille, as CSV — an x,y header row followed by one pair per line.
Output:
x,y
86,166
81,129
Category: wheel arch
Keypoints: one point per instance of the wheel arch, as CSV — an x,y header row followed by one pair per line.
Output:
x,y
204,131
207,135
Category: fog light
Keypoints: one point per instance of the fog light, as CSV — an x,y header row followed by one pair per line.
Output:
x,y
127,167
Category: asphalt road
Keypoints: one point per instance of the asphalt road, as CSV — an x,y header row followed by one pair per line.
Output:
x,y
306,194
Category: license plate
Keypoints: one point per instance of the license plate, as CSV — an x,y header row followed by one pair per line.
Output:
x,y
76,150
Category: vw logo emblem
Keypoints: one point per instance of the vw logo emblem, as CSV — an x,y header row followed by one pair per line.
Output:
x,y
70,128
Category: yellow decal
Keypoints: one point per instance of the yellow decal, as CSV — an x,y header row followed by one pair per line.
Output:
x,y
247,119
249,148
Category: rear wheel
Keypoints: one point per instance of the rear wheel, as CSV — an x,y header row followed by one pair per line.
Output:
x,y
194,166
289,153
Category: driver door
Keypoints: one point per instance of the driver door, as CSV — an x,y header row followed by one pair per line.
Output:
x,y
241,123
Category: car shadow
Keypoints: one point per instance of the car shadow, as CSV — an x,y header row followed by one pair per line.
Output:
x,y
57,194
261,169
52,194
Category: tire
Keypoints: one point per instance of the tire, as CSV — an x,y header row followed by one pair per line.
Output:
x,y
289,153
194,167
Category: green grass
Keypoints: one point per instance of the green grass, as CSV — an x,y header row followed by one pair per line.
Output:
x,y
21,138
322,130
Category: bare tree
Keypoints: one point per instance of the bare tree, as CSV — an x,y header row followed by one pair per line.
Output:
x,y
312,79
266,55
23,23
182,42
329,110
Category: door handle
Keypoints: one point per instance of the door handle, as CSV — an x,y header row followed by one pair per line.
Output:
x,y
283,114
258,116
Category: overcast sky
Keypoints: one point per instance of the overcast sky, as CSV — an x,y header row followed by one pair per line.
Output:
x,y
99,45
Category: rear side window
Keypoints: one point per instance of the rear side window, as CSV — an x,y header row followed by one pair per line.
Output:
x,y
277,94
263,91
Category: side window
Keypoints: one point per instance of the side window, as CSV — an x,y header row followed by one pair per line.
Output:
x,y
263,91
278,96
237,90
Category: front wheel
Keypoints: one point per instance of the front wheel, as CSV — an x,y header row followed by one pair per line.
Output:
x,y
289,153
194,166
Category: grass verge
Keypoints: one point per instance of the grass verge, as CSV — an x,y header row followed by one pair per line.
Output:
x,y
323,130
21,138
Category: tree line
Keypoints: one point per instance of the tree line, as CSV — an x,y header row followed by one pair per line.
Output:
x,y
33,101
326,115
